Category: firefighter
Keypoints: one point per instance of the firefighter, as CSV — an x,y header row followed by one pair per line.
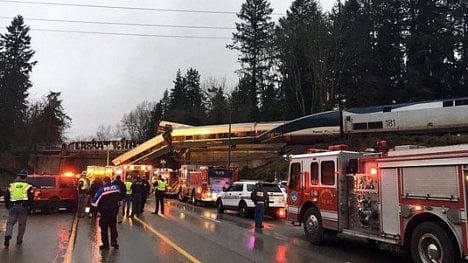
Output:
x,y
127,204
82,189
106,200
260,198
123,193
17,198
137,195
160,186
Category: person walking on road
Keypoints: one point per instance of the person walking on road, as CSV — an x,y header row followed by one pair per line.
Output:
x,y
82,188
160,186
123,193
260,197
17,198
138,188
107,202
127,203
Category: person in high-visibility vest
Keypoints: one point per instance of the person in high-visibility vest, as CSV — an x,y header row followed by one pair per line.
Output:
x,y
17,199
83,189
160,186
127,204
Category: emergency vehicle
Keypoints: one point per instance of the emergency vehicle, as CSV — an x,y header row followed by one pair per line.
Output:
x,y
410,198
52,192
170,177
133,170
203,183
93,172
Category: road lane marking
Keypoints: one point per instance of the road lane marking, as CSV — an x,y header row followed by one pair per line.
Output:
x,y
167,240
214,220
71,241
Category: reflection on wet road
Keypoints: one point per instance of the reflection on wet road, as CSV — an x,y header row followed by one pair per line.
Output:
x,y
186,233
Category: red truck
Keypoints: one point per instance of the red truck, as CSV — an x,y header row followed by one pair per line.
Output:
x,y
52,192
203,183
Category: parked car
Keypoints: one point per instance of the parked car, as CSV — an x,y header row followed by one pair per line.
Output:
x,y
52,192
237,197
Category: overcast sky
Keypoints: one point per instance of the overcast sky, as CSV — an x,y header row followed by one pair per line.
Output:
x,y
103,76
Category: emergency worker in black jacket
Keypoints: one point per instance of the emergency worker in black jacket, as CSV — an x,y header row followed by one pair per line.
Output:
x,y
107,202
260,198
138,188
123,193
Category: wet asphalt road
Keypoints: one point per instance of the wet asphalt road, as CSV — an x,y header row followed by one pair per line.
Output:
x,y
185,234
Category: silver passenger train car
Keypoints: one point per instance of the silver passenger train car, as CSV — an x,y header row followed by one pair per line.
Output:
x,y
418,117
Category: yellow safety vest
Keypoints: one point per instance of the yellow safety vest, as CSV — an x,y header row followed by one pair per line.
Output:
x,y
128,186
85,185
161,185
19,191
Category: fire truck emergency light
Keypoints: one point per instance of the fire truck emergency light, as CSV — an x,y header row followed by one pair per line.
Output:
x,y
68,174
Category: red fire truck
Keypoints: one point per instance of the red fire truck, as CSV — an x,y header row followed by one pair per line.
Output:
x,y
408,198
203,183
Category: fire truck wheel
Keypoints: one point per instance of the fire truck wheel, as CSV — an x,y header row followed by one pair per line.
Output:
x,y
53,205
243,212
219,205
431,243
181,196
313,226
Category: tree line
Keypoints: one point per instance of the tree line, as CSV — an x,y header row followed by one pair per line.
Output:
x,y
24,122
360,53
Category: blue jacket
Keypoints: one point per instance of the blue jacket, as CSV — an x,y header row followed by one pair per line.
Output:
x,y
107,199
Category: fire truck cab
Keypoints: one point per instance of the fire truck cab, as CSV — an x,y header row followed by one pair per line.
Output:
x,y
411,198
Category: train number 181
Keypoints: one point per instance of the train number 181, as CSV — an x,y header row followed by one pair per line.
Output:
x,y
390,123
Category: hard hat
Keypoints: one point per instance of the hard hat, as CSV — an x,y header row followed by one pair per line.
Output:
x,y
84,173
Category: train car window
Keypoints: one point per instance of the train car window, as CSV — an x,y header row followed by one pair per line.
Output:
x,y
387,109
375,125
447,103
328,172
314,173
461,102
360,126
295,176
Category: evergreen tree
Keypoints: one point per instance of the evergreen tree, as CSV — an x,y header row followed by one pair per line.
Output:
x,y
302,41
186,103
388,18
430,50
218,108
253,40
357,77
52,120
15,66
195,108
155,118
